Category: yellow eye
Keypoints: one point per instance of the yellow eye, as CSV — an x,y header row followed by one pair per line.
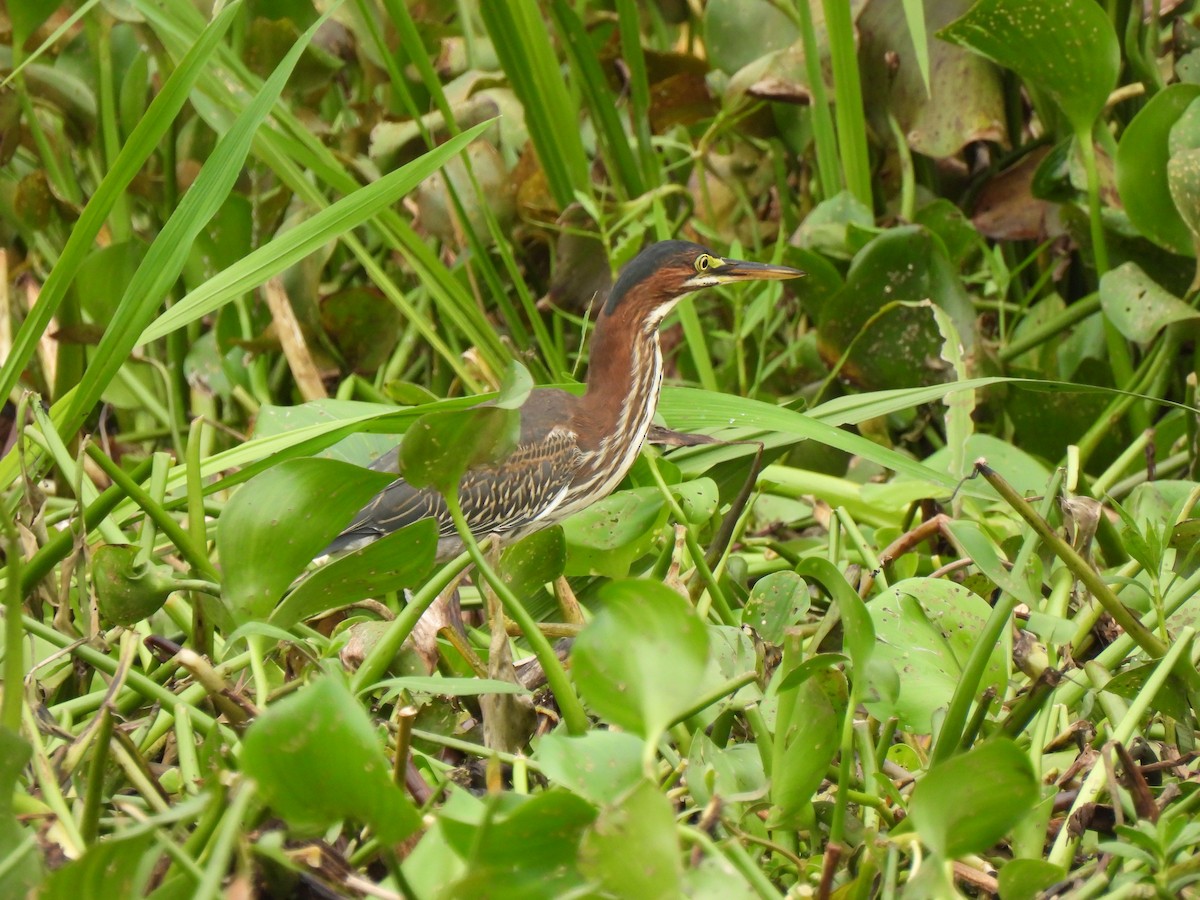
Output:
x,y
703,262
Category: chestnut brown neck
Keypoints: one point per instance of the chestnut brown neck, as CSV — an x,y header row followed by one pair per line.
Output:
x,y
624,377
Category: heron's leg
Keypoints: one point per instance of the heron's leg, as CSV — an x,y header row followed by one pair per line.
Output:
x,y
508,719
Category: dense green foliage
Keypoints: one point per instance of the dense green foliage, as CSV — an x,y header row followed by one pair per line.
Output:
x,y
248,246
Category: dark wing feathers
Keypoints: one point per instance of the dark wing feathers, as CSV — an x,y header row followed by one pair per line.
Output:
x,y
499,498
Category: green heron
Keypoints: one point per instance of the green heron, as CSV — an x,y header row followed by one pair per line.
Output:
x,y
572,450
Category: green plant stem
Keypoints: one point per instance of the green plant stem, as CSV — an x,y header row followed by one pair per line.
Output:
x,y
1052,328
699,559
908,187
166,523
222,848
725,690
89,820
1087,153
148,688
823,130
848,106
1145,375
736,854
381,655
950,735
556,676
1123,731
14,634
1078,565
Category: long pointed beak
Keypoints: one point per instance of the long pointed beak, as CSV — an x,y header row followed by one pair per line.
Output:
x,y
731,270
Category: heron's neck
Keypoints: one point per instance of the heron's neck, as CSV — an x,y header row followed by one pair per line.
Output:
x,y
624,377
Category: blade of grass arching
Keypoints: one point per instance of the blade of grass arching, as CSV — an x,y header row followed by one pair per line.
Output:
x,y
914,16
622,166
639,89
165,258
142,142
824,133
292,246
295,154
99,32
414,50
522,43
848,104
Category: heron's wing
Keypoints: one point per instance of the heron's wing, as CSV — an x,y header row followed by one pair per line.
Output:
x,y
524,487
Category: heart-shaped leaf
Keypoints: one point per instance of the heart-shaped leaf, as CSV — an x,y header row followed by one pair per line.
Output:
x,y
777,601
398,560
925,628
440,446
318,760
640,662
1141,169
969,802
633,848
128,589
1137,305
1067,49
279,520
598,765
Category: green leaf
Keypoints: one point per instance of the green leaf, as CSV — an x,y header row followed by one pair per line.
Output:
x,y
318,760
858,632
441,446
632,849
640,662
971,801
396,561
925,629
698,499
145,139
309,235
1141,169
515,388
522,42
22,861
1137,305
169,252
732,773
275,524
517,847
598,765
739,32
1026,879
777,601
1067,49
608,536
128,589
801,755
939,115
533,562
887,345
109,868
1183,180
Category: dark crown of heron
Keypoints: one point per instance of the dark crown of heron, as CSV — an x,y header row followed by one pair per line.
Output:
x,y
658,275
